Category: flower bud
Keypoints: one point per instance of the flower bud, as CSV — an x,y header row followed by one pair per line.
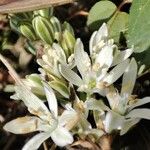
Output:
x,y
68,42
43,29
67,26
57,27
27,30
47,12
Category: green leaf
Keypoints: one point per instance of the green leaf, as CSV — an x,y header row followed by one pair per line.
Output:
x,y
100,13
118,24
139,25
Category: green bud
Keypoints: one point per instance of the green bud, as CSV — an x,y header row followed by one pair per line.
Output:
x,y
60,88
34,82
43,29
57,27
47,12
68,41
67,26
14,24
27,30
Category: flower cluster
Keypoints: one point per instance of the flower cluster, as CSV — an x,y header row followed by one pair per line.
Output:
x,y
86,82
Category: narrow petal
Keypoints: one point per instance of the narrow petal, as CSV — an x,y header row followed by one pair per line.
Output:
x,y
60,52
139,103
51,98
143,113
68,119
102,33
93,104
82,59
92,42
34,104
129,78
105,56
116,72
70,75
23,125
127,125
61,136
123,55
113,97
113,121
35,142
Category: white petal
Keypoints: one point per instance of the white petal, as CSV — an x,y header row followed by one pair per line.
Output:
x,y
129,78
113,97
143,113
105,56
82,59
92,42
23,125
51,98
34,104
123,55
60,52
102,33
61,137
113,121
70,75
68,119
139,103
35,142
127,125
116,73
93,104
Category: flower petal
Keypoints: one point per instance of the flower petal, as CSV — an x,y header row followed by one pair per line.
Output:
x,y
105,56
139,103
70,75
68,119
82,59
34,104
102,33
143,113
61,136
51,98
92,42
23,125
35,142
60,52
123,55
113,121
116,73
127,125
93,104
129,78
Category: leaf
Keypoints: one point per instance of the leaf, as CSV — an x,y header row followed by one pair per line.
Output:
x,y
139,25
100,13
118,24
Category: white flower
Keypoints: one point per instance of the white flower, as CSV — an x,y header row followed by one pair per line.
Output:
x,y
48,122
94,70
123,113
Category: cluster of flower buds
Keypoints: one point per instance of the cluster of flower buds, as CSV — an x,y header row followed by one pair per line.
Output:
x,y
84,80
42,25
